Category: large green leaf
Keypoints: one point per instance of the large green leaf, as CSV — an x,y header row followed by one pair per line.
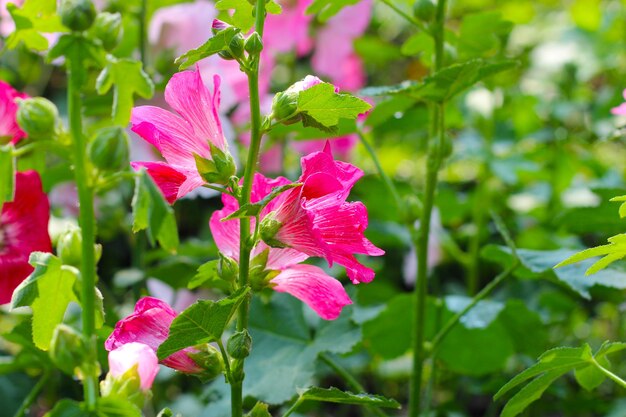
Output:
x,y
151,212
202,322
215,44
327,107
334,395
48,291
127,78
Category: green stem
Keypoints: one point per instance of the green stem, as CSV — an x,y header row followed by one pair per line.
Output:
x,y
293,407
143,11
433,164
619,381
349,379
224,358
246,191
480,296
32,395
386,180
405,15
86,220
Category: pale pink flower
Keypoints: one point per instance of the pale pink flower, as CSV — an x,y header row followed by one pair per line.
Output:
x,y
9,129
621,109
179,136
149,324
310,284
292,21
23,229
316,218
138,355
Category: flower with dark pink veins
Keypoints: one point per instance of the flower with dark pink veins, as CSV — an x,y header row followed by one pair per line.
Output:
x,y
282,268
23,229
317,220
9,129
195,133
149,324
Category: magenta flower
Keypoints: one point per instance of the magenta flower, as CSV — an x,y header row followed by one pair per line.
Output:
x,y
621,109
316,219
179,137
134,354
149,324
9,129
23,229
310,284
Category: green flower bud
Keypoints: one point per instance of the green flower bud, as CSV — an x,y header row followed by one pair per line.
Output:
x,y
38,117
67,349
77,15
69,247
227,268
254,44
109,149
209,359
236,45
226,55
107,28
219,169
268,228
285,106
239,345
424,10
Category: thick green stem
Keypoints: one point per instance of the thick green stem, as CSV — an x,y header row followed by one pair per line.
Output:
x,y
86,220
433,163
245,246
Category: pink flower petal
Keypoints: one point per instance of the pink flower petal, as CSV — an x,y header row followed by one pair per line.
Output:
x,y
310,284
135,354
8,111
619,110
173,182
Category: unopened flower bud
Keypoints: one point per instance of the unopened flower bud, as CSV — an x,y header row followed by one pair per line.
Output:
x,y
109,149
285,103
239,345
254,44
268,228
69,247
218,26
38,117
217,170
236,45
226,55
424,10
77,15
227,268
209,359
107,28
67,349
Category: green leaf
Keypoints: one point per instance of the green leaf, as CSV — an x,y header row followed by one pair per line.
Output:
x,y
480,33
614,251
326,107
590,377
298,132
328,8
203,322
127,78
208,276
7,174
259,410
152,212
77,49
66,408
31,20
117,407
215,44
447,83
530,393
254,209
334,395
242,16
48,290
386,335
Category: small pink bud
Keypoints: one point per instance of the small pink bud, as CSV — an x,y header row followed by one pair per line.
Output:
x,y
306,83
132,354
218,26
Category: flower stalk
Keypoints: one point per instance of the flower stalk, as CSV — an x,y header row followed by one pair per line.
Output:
x,y
433,164
87,224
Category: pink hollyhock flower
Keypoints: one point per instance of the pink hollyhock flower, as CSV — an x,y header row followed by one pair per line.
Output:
x,y
134,354
9,129
149,324
179,136
621,109
310,284
23,229
316,219
294,21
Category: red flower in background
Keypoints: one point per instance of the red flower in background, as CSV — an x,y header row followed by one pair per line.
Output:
x,y
23,229
9,128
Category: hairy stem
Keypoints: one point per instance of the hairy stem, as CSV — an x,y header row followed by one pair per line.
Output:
x,y
236,387
86,220
433,163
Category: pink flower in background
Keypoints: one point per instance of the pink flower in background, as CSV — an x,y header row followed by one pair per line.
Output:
x,y
9,129
293,21
310,284
316,219
149,324
179,136
621,109
136,354
7,26
23,229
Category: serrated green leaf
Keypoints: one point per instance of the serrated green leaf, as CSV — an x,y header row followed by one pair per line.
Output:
x,y
7,174
203,322
242,16
47,290
127,78
328,8
334,395
615,250
31,20
530,393
259,410
215,44
610,347
326,107
152,213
